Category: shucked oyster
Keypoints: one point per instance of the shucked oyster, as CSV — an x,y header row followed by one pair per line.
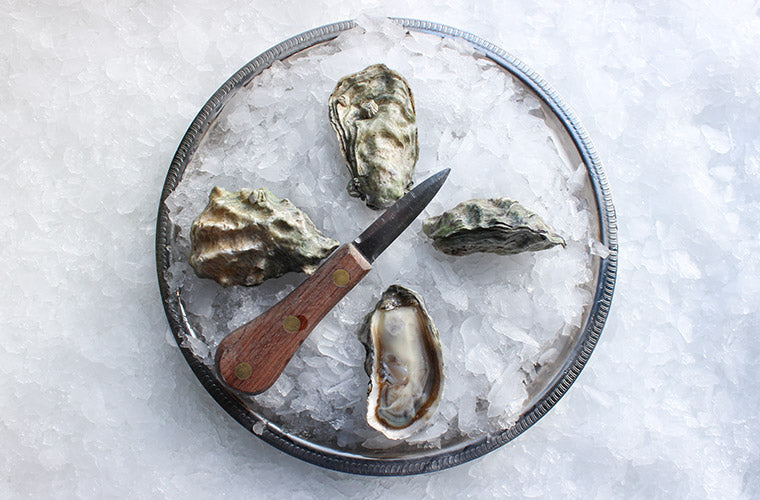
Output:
x,y
246,237
373,114
495,225
403,362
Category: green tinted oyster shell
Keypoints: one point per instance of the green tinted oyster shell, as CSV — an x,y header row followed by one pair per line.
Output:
x,y
248,236
496,225
404,363
373,115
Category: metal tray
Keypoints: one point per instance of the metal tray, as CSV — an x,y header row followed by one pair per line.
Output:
x,y
573,359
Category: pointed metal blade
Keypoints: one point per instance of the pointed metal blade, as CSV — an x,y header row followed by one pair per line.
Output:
x,y
392,223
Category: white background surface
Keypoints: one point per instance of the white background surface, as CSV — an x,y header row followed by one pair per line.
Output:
x,y
97,401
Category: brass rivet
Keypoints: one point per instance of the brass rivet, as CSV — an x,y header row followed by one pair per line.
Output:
x,y
243,371
341,277
291,324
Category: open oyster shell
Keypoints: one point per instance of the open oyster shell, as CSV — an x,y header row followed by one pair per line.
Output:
x,y
404,363
246,237
496,225
373,114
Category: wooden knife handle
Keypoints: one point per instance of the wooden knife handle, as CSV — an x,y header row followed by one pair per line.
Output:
x,y
251,358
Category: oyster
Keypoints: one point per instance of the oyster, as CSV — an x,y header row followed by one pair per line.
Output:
x,y
403,362
496,225
246,237
373,114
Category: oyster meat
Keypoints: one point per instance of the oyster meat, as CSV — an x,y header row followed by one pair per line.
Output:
x,y
496,225
372,112
248,236
404,363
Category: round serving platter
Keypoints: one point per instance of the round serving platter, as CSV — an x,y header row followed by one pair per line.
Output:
x,y
575,355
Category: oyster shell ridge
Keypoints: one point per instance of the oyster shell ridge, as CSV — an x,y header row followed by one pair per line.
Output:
x,y
495,225
248,236
373,114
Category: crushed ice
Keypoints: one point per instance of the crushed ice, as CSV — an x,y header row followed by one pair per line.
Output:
x,y
496,315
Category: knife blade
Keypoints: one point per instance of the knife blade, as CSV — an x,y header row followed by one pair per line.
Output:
x,y
392,223
251,358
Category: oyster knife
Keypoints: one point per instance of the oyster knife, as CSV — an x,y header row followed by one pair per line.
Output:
x,y
251,358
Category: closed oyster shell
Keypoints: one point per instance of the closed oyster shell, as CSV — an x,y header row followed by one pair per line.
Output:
x,y
248,236
496,225
373,114
404,363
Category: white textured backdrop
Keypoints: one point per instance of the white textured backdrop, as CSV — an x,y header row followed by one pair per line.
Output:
x,y
97,401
